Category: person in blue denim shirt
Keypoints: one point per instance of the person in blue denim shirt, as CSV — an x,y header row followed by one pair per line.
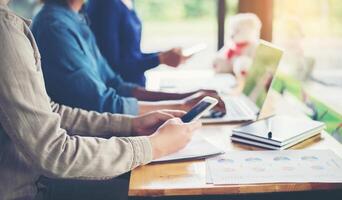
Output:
x,y
76,73
117,29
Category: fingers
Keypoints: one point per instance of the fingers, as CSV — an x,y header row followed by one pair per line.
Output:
x,y
198,96
175,121
185,58
190,127
172,136
174,113
208,91
182,57
171,58
176,49
163,116
194,125
220,105
178,52
220,108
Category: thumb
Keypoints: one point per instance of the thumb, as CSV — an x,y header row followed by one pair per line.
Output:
x,y
177,49
175,121
194,126
185,58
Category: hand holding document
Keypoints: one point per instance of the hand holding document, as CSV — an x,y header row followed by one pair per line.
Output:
x,y
251,167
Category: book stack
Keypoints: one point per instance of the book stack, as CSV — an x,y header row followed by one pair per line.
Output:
x,y
277,132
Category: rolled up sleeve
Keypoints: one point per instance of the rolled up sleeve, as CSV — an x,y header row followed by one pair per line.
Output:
x,y
90,123
72,78
126,89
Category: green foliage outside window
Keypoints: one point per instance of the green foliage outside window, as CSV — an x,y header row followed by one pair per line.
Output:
x,y
157,10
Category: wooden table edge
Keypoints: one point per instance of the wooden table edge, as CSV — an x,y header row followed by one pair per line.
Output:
x,y
236,189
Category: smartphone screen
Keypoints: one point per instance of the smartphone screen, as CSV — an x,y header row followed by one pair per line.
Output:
x,y
196,110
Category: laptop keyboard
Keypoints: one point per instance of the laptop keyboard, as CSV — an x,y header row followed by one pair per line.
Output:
x,y
236,108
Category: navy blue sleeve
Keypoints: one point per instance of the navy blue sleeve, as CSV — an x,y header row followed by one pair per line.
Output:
x,y
108,18
148,61
71,78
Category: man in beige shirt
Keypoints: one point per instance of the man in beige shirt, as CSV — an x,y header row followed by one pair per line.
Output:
x,y
41,138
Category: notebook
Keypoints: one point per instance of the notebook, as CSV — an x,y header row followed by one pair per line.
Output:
x,y
277,132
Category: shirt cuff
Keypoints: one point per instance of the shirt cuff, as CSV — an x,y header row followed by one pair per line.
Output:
x,y
142,150
151,61
130,106
126,89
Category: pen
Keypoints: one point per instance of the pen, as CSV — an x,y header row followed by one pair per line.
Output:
x,y
269,128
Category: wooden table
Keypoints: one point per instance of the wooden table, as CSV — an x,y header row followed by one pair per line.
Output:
x,y
188,178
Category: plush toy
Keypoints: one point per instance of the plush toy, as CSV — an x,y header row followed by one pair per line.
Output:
x,y
236,56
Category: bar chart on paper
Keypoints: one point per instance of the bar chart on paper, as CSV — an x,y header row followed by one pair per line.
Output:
x,y
248,167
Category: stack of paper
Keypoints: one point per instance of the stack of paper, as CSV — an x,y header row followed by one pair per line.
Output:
x,y
250,167
196,149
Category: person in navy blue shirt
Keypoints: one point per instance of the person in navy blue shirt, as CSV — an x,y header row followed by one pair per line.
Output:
x,y
76,74
117,29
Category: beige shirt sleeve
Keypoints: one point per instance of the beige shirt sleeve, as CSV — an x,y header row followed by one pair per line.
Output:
x,y
27,117
88,123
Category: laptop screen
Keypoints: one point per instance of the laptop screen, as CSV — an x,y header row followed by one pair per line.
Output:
x,y
262,71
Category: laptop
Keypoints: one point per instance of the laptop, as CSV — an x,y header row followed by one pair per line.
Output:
x,y
247,106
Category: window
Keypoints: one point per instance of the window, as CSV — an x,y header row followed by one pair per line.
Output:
x,y
181,23
311,33
309,27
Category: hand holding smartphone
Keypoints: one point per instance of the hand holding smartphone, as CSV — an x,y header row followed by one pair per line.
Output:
x,y
199,109
193,50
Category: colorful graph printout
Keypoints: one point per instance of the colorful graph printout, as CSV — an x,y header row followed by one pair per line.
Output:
x,y
248,167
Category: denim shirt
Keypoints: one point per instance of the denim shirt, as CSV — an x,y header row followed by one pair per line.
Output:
x,y
39,137
75,72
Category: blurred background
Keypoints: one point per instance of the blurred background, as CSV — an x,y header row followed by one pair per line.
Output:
x,y
308,27
310,32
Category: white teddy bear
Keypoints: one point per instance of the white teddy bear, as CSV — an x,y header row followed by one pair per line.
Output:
x,y
236,56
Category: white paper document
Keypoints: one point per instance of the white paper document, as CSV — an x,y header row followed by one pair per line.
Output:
x,y
197,148
219,82
249,167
